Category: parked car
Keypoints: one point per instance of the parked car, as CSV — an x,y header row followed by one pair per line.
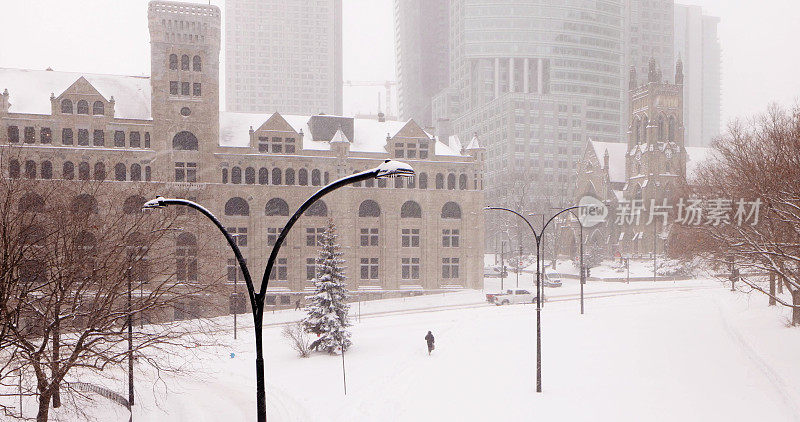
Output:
x,y
552,279
513,296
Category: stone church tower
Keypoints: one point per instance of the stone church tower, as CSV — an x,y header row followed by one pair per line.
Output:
x,y
184,69
655,162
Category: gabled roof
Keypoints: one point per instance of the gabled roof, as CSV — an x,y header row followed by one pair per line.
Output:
x,y
412,130
454,142
474,143
339,136
30,91
616,158
276,122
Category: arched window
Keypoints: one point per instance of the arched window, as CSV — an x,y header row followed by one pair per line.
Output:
x,y
250,176
184,141
382,183
327,177
276,176
83,107
412,182
13,169
67,170
410,209
451,181
83,170
302,177
276,206
132,204
462,182
197,64
263,176
317,209
47,170
290,176
119,172
84,204
31,202
186,258
86,242
423,180
33,235
30,169
671,129
136,172
236,175
315,177
98,109
439,181
398,182
224,175
184,62
173,62
99,171
237,206
66,106
451,210
369,208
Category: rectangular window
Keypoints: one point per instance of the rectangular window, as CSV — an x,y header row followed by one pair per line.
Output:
x,y
290,145
180,172
83,137
173,87
280,271
99,138
239,235
146,140
30,135
410,238
369,237
46,135
311,269
185,172
410,269
450,238
272,235
134,138
450,268
66,136
185,88
314,235
234,271
119,138
13,134
369,268
423,150
263,144
196,89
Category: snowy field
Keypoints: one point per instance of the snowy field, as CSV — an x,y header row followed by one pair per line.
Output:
x,y
688,351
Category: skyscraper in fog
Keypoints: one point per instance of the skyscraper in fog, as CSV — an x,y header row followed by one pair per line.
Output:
x,y
697,43
283,55
421,51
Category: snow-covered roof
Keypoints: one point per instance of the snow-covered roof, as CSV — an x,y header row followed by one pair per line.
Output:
x,y
474,143
29,91
339,136
369,135
454,142
694,157
616,158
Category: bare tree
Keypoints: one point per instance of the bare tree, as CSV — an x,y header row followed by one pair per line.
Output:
x,y
758,162
78,264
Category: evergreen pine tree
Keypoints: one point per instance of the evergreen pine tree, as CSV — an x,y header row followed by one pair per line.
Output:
x,y
327,309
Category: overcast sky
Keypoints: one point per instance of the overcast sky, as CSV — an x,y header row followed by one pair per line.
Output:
x,y
759,44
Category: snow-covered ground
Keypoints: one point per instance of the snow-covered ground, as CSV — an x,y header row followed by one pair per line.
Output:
x,y
688,351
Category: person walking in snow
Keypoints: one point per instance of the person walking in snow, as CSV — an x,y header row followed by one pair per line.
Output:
x,y
429,339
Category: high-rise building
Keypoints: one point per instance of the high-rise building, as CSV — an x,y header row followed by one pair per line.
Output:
x,y
421,37
283,55
533,80
697,43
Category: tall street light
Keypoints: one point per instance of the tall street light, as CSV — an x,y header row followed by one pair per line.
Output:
x,y
538,238
388,168
582,273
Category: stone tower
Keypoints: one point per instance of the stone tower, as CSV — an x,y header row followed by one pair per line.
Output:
x,y
184,79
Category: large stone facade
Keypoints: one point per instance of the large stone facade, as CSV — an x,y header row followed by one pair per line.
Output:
x,y
165,133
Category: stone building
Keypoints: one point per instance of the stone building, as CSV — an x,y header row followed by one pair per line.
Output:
x,y
166,133
642,172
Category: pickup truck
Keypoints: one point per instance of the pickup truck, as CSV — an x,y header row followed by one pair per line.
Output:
x,y
511,296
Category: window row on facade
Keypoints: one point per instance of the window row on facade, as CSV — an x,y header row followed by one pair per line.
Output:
x,y
185,88
82,107
238,206
80,137
196,62
30,169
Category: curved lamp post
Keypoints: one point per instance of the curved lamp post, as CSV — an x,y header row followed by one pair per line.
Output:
x,y
538,238
388,168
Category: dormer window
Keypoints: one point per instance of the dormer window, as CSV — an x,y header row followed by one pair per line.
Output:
x,y
276,145
83,107
66,106
411,149
98,109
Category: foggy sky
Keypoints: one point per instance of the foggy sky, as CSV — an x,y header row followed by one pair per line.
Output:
x,y
760,56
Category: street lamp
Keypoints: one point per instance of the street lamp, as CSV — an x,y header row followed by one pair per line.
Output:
x,y
538,238
387,169
582,273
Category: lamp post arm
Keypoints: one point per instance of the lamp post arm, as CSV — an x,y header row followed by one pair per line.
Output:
x,y
353,178
557,214
228,237
536,236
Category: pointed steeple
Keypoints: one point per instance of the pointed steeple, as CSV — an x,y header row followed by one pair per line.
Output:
x,y
474,143
652,72
679,71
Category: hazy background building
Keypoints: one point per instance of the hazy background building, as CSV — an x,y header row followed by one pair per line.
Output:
x,y
283,55
421,55
697,43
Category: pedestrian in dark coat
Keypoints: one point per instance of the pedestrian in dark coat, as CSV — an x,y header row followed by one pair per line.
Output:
x,y
297,305
429,339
